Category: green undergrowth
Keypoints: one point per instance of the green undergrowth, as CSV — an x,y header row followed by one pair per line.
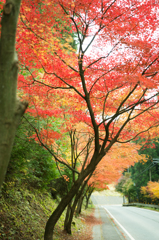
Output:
x,y
23,214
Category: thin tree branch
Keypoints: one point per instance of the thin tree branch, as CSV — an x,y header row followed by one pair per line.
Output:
x,y
47,148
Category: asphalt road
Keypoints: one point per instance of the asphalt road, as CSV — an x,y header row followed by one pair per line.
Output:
x,y
106,200
137,223
134,223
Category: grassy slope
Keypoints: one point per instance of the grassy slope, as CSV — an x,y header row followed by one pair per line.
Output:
x,y
23,215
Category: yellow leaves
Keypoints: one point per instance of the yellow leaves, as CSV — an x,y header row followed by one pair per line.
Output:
x,y
143,190
69,39
151,190
72,4
27,9
144,159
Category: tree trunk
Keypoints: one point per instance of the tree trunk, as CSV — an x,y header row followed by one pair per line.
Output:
x,y
73,207
87,201
88,197
67,218
65,201
11,110
59,210
67,226
79,205
72,210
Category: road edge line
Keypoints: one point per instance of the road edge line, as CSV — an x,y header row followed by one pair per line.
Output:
x,y
119,224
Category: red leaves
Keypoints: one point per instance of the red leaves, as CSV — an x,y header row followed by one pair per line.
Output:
x,y
115,73
47,137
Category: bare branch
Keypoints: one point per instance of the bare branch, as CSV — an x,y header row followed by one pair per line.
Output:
x,y
48,149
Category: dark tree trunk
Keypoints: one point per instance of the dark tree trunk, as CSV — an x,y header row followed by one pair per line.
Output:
x,y
64,202
79,205
67,227
88,198
87,202
59,210
87,173
67,218
72,209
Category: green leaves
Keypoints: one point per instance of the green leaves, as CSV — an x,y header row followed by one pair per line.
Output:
x,y
126,185
30,163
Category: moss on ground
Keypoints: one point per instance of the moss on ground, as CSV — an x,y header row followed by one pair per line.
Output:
x,y
23,215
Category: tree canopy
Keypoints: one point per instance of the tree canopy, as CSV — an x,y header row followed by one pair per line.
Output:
x,y
109,84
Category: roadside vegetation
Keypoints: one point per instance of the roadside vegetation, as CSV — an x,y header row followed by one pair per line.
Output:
x,y
32,189
149,208
24,212
140,183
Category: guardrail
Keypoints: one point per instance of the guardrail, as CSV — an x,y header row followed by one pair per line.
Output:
x,y
141,204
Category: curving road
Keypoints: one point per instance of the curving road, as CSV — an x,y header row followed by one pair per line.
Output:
x,y
135,223
138,223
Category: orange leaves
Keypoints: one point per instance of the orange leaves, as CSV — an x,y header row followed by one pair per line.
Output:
x,y
111,167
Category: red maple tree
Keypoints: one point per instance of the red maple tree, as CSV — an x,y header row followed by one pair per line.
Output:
x,y
110,84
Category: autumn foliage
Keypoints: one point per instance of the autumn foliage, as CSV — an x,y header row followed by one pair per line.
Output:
x,y
122,79
95,64
151,190
111,167
108,84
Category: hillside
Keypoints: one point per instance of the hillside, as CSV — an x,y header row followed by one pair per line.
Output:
x,y
24,212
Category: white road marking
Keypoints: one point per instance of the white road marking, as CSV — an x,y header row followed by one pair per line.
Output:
x,y
120,225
